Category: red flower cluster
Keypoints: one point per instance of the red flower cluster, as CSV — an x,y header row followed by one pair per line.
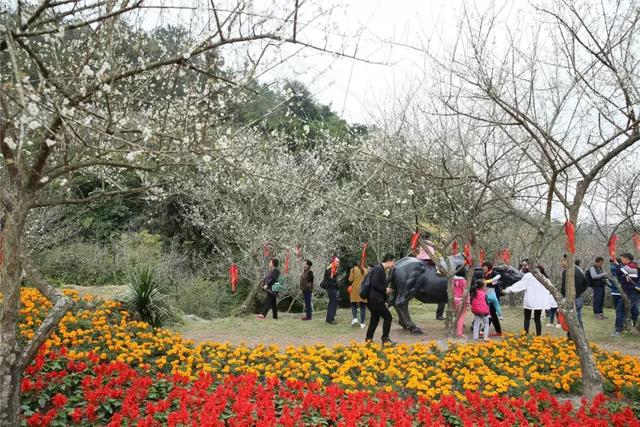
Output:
x,y
64,392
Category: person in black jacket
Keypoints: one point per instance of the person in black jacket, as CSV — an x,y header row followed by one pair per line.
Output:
x,y
271,302
331,286
580,282
377,299
597,281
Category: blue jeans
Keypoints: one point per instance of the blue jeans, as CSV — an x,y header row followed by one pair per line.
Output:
x,y
307,303
551,314
598,300
634,298
332,308
363,310
579,304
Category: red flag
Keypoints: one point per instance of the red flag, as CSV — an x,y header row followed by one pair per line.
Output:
x,y
334,266
613,240
265,250
482,256
636,241
363,258
505,254
454,247
298,252
414,240
570,231
468,260
287,257
233,274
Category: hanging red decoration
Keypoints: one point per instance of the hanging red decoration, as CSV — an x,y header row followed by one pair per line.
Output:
x,y
454,247
613,241
570,231
482,256
414,240
265,250
468,260
505,254
287,258
233,275
363,257
299,252
334,266
636,241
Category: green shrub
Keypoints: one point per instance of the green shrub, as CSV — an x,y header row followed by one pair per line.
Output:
x,y
145,298
80,263
208,298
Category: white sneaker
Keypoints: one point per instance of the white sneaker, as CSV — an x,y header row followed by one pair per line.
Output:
x,y
548,325
363,325
354,322
558,326
500,317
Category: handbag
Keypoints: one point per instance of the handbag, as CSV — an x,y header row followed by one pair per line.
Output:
x,y
277,287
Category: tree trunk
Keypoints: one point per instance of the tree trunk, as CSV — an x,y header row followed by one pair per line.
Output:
x,y
591,378
10,372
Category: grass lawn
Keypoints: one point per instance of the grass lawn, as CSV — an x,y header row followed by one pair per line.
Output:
x,y
290,330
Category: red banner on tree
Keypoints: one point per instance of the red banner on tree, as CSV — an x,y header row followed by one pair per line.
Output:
x,y
636,241
414,240
334,266
363,257
613,241
287,258
468,259
233,275
570,231
299,252
505,255
265,250
454,247
482,256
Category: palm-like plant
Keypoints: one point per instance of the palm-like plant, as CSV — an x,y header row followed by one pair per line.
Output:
x,y
145,298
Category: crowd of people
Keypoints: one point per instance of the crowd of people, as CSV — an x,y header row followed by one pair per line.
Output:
x,y
483,297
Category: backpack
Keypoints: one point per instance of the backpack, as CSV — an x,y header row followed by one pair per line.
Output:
x,y
364,286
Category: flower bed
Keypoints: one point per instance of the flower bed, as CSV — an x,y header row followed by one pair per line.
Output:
x,y
100,361
58,390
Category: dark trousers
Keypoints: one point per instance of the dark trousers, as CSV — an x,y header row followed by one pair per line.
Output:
x,y
552,314
378,310
307,303
619,303
494,319
598,299
270,303
333,304
536,317
440,310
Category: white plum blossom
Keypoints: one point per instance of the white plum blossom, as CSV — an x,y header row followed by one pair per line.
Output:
x,y
410,192
386,212
44,180
206,158
50,142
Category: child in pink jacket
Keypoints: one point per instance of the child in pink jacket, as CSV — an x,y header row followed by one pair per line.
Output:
x,y
480,309
459,283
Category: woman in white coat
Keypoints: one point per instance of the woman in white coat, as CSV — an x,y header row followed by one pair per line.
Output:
x,y
536,299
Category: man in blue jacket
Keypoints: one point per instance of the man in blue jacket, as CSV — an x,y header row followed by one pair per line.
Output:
x,y
626,271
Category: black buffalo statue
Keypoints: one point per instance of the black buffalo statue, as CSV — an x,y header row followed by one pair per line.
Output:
x,y
413,278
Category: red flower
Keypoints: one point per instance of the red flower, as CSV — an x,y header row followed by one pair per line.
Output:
x,y
59,400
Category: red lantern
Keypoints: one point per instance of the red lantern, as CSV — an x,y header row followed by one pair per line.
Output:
x,y
482,256
414,240
570,231
265,250
233,275
563,322
636,241
454,247
298,252
363,257
613,241
468,260
505,254
287,257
